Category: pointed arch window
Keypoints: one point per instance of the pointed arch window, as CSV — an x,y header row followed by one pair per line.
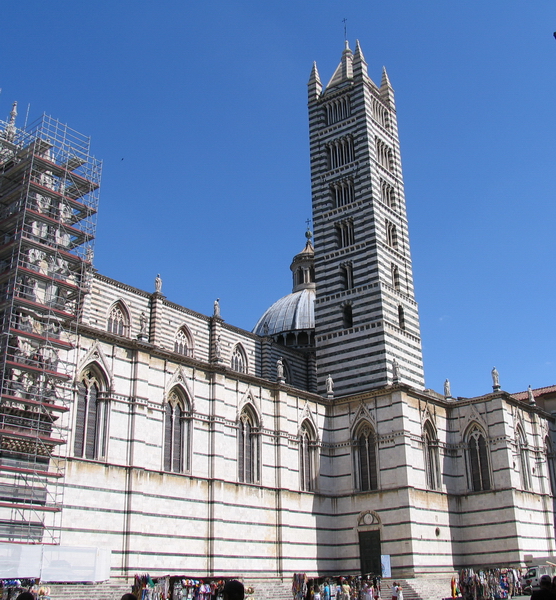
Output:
x,y
118,321
239,359
182,342
176,433
365,459
523,457
92,412
432,463
478,460
248,448
306,458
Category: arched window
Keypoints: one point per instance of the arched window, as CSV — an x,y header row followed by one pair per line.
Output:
x,y
182,342
306,457
91,422
176,433
248,448
395,276
391,235
239,359
478,465
522,454
365,459
430,448
118,321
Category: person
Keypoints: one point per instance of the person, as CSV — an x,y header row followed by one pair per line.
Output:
x,y
25,596
400,592
233,590
395,590
545,592
129,597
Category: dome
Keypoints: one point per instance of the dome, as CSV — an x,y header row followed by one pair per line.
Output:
x,y
292,312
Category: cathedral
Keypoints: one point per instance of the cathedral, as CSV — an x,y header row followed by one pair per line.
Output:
x,y
178,443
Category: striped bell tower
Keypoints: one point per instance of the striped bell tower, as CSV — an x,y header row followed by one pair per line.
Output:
x,y
366,317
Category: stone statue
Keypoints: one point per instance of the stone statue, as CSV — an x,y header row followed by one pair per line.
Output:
x,y
530,395
280,368
217,349
329,385
158,284
495,379
142,323
265,328
395,371
447,390
217,307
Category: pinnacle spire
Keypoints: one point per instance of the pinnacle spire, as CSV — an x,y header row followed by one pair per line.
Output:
x,y
359,62
344,71
9,132
315,85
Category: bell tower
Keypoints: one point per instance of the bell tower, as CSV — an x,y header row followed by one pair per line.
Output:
x,y
366,318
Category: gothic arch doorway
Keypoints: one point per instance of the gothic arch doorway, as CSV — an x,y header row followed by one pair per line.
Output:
x,y
368,529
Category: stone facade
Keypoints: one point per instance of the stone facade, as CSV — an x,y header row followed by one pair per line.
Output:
x,y
194,447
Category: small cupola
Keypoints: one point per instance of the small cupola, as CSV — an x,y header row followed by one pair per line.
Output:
x,y
303,266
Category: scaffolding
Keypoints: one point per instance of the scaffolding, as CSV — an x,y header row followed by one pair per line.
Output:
x,y
49,186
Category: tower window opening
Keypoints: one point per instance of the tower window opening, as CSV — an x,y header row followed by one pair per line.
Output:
x,y
380,115
347,276
384,155
391,235
395,277
340,152
347,316
337,110
345,233
342,193
401,317
387,195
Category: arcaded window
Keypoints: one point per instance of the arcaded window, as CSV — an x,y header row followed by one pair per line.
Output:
x,y
306,458
176,433
391,235
118,321
365,459
248,448
387,194
340,152
384,155
239,359
342,192
345,233
395,276
432,463
478,460
337,110
182,342
91,422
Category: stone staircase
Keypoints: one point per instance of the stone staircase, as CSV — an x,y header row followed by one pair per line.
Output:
x,y
422,588
108,590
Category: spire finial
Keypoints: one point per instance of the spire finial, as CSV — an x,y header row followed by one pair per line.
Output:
x,y
308,233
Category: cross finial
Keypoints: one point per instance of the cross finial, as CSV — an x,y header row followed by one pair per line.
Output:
x,y
344,21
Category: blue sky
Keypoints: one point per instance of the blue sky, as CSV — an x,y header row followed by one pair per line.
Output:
x,y
198,111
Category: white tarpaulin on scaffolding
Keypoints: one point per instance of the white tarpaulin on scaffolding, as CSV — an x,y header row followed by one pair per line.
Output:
x,y
54,563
